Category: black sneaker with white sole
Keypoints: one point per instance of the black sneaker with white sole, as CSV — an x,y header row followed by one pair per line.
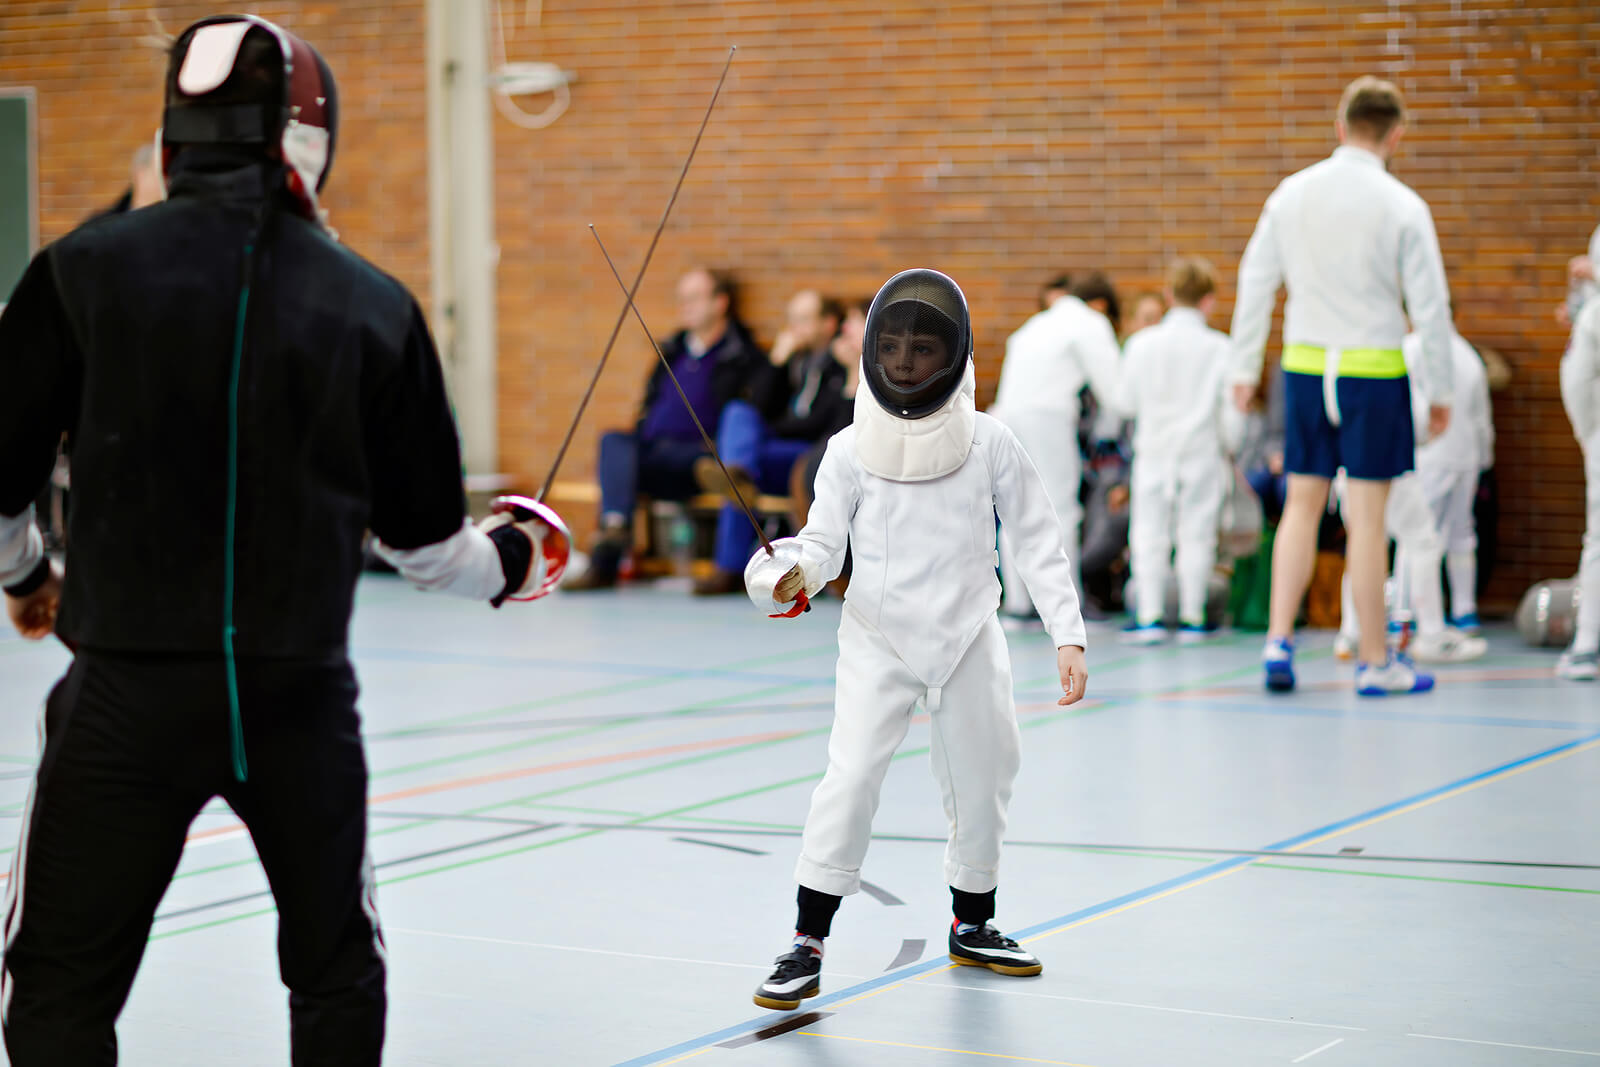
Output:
x,y
984,946
797,976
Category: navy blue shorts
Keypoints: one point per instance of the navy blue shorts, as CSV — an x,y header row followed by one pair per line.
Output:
x,y
1375,439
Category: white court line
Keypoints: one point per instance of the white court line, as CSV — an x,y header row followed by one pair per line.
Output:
x,y
595,951
1320,1048
1506,1044
1146,1007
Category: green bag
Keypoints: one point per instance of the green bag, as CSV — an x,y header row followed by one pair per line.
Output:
x,y
1250,596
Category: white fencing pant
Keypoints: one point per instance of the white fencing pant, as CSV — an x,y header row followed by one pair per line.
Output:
x,y
1586,635
1186,498
1451,495
1050,439
976,753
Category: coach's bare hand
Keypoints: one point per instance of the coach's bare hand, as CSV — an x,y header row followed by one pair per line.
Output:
x,y
1438,420
34,615
1074,674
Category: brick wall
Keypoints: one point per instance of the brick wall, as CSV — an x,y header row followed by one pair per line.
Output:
x,y
97,72
1001,142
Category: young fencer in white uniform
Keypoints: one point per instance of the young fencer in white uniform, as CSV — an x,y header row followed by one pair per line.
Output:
x,y
1580,392
913,488
1175,388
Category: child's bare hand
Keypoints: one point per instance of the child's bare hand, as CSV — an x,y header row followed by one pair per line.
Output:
x,y
34,615
789,586
1074,674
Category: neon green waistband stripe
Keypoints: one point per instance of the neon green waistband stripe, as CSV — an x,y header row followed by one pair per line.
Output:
x,y
1353,362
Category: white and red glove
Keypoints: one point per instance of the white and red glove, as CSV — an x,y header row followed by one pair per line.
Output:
x,y
545,530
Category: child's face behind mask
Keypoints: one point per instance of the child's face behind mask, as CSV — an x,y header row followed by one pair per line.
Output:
x,y
909,359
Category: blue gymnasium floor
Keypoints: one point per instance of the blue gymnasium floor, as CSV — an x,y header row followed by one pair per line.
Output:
x,y
585,815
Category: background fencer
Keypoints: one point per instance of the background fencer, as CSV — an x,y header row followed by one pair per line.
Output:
x,y
1580,393
1450,466
1175,388
1048,361
244,399
913,487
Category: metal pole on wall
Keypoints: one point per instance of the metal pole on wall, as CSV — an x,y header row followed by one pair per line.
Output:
x,y
463,254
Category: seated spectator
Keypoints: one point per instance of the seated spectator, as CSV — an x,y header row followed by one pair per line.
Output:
x,y
715,360
846,349
794,402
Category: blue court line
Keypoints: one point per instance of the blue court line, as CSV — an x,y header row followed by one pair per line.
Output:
x,y
1198,874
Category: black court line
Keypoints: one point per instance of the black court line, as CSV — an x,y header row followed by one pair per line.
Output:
x,y
430,854
777,1029
1089,846
911,950
881,895
719,844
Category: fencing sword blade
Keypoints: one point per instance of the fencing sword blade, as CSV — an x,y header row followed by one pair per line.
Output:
x,y
705,437
566,442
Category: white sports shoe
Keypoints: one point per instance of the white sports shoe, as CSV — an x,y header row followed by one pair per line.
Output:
x,y
1578,666
1395,676
1447,646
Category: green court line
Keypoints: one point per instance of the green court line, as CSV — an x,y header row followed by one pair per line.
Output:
x,y
614,688
523,801
579,731
1425,878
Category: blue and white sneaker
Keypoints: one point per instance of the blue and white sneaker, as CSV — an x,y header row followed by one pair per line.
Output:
x,y
1397,675
1278,659
1468,624
1195,633
1143,633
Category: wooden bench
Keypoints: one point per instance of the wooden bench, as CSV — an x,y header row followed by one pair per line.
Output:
x,y
655,554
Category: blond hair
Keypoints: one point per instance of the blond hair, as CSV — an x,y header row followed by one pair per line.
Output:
x,y
1191,279
1372,107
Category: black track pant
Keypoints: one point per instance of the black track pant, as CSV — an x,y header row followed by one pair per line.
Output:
x,y
134,748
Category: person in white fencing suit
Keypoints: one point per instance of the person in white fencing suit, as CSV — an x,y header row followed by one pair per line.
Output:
x,y
1450,467
912,487
1418,597
1048,361
1580,393
1355,248
1174,387
244,398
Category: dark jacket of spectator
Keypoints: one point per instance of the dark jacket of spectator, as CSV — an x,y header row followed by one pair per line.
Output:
x,y
803,400
738,358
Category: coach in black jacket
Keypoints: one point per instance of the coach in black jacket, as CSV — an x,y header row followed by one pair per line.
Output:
x,y
243,398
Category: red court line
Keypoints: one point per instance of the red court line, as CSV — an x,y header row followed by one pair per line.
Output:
x,y
469,781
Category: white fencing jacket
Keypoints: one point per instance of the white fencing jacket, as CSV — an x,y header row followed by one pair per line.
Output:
x,y
1580,379
1053,355
1468,443
923,570
1175,386
1356,248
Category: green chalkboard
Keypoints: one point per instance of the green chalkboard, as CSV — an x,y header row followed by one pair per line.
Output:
x,y
19,190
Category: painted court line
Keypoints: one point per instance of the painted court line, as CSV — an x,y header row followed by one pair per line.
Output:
x,y
1507,1044
1317,1050
936,1048
1157,891
584,949
973,988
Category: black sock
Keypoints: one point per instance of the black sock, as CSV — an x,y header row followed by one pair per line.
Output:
x,y
816,910
974,908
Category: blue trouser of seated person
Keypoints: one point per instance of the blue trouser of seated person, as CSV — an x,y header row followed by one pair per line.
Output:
x,y
662,467
744,441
